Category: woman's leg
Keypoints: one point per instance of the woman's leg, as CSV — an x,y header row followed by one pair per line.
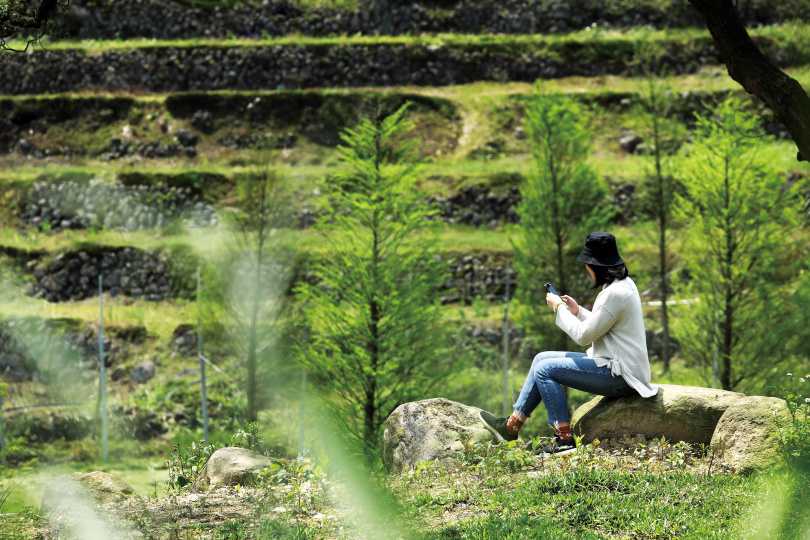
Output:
x,y
506,429
579,372
530,396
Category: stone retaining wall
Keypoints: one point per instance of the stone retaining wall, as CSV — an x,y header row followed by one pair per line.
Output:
x,y
45,348
127,271
278,67
166,19
150,275
471,276
97,203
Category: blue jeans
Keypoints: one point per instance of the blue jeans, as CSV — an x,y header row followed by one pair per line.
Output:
x,y
550,370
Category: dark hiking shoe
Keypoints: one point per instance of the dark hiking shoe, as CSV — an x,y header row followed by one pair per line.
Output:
x,y
558,446
497,426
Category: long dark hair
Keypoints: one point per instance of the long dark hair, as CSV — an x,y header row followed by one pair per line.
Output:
x,y
605,275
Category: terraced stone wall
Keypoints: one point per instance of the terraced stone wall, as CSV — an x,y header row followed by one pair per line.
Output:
x,y
79,205
281,67
167,19
188,124
154,276
76,343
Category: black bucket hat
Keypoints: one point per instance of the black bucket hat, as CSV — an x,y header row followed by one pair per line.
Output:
x,y
600,250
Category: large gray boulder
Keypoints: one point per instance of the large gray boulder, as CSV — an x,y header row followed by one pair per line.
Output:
x,y
679,413
234,465
80,489
429,430
747,434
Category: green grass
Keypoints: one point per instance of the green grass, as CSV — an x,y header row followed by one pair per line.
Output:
x,y
790,33
599,504
601,493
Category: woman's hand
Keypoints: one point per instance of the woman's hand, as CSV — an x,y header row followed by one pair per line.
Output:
x,y
572,305
552,300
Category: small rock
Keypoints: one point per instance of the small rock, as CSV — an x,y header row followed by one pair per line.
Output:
x,y
75,491
143,372
118,374
629,141
186,138
234,466
203,120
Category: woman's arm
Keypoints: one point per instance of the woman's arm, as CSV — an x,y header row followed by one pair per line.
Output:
x,y
586,332
578,311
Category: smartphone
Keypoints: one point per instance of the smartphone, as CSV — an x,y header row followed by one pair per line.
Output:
x,y
550,288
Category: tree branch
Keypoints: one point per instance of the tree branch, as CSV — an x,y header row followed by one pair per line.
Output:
x,y
17,16
748,66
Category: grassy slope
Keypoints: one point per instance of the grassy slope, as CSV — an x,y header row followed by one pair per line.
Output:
x,y
789,34
484,112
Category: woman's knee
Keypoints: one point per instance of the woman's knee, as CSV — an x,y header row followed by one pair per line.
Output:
x,y
541,367
543,356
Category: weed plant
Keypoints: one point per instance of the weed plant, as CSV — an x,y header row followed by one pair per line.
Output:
x,y
794,440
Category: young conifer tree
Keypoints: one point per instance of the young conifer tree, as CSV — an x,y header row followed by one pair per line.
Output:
x,y
563,200
255,270
372,305
741,223
661,184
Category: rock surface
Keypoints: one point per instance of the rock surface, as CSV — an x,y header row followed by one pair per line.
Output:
x,y
747,433
144,372
679,413
234,465
429,430
79,489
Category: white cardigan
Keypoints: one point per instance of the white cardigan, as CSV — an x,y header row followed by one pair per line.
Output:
x,y
616,329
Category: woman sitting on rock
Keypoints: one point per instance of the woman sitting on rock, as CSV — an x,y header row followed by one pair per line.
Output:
x,y
616,365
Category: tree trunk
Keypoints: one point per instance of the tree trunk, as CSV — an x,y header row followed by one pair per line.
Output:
x,y
748,66
662,247
727,340
370,407
261,224
728,285
663,206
